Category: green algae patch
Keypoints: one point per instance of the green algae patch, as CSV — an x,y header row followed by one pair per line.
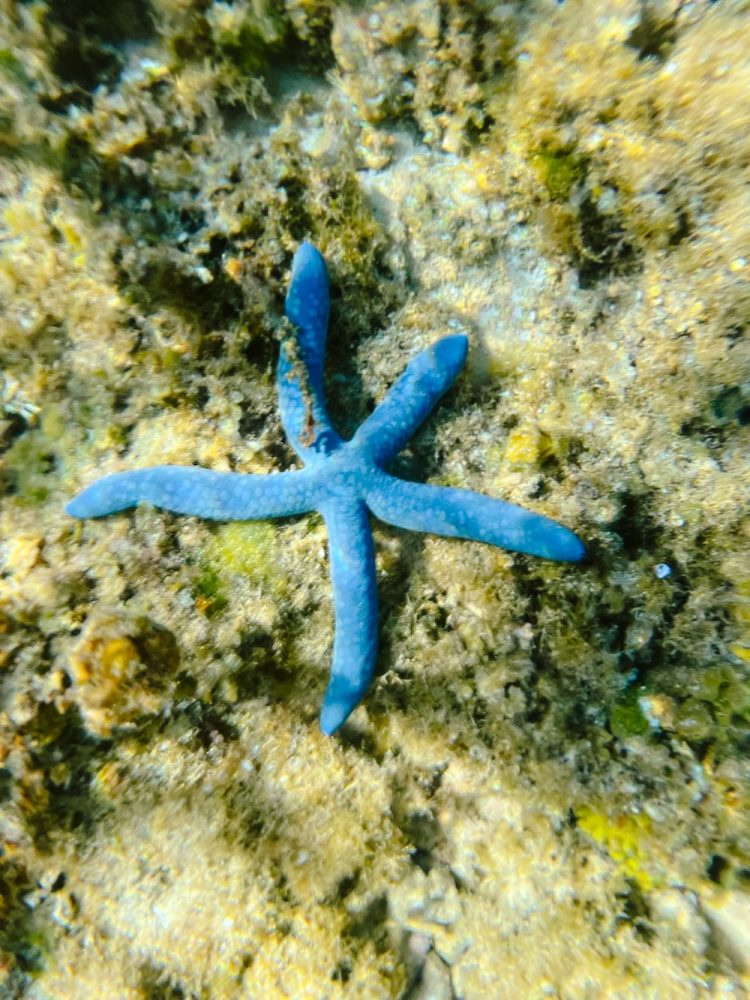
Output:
x,y
559,171
208,592
11,66
718,708
31,462
242,548
627,719
245,549
245,37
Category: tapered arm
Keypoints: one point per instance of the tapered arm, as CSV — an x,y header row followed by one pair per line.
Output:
x,y
299,375
220,496
355,602
442,510
411,398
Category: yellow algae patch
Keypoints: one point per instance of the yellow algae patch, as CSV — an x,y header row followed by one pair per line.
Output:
x,y
528,446
624,839
249,548
19,555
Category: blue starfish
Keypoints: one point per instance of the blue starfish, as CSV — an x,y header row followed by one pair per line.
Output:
x,y
344,480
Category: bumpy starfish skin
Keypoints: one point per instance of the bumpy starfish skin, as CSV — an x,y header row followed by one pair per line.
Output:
x,y
344,480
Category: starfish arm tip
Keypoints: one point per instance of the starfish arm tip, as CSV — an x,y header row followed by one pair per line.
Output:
x,y
73,508
76,509
537,535
104,496
307,258
335,712
307,298
567,546
342,696
450,352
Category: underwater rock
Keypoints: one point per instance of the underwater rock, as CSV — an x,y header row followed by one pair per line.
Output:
x,y
122,668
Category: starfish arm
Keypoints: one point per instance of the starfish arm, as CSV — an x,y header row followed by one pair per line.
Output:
x,y
220,496
456,513
355,601
299,375
410,399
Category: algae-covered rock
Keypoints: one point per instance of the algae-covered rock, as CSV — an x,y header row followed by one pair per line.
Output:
x,y
120,668
552,761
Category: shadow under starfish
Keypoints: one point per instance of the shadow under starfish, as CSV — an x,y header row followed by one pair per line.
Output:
x,y
344,480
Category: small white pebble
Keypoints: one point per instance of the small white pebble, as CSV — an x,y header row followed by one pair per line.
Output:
x,y
662,571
